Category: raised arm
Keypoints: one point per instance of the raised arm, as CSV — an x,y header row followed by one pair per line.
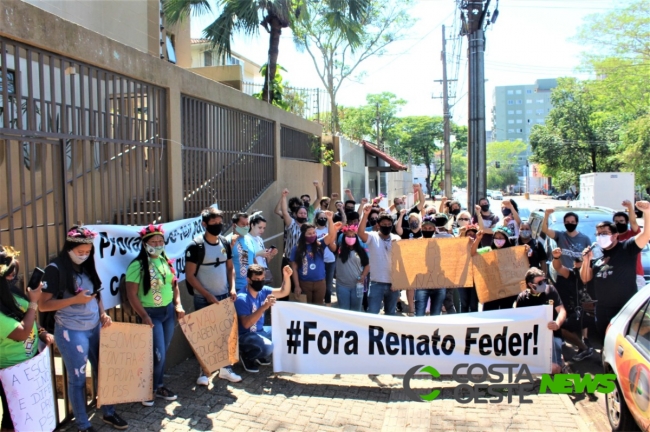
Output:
x,y
479,219
348,193
398,224
477,242
288,220
278,207
319,193
417,189
557,264
285,289
634,226
441,208
643,237
332,228
335,197
586,272
545,229
361,232
515,214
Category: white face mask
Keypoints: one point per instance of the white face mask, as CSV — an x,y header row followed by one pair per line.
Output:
x,y
604,240
154,250
539,288
77,259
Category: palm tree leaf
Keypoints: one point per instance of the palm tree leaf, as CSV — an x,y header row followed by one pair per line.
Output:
x,y
235,15
178,10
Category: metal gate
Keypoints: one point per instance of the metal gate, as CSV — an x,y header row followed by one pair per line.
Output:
x,y
77,144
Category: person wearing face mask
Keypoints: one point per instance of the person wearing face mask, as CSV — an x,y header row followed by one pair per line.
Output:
x,y
540,292
414,229
400,204
18,323
379,245
255,343
352,268
373,218
306,201
614,274
468,297
572,291
72,293
152,290
621,219
239,227
484,218
210,273
321,224
537,256
250,249
292,223
442,224
463,219
572,242
308,261
428,226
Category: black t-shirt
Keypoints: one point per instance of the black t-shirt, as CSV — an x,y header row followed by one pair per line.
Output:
x,y
614,274
538,253
405,219
568,290
527,298
408,234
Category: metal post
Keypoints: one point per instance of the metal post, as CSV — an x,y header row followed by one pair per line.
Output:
x,y
445,104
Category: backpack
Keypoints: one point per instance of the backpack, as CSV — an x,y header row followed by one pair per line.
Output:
x,y
199,241
46,319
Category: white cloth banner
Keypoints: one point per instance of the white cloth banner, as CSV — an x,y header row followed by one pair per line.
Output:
x,y
117,245
29,392
311,339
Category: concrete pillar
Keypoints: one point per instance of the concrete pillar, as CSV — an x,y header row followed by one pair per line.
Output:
x,y
174,154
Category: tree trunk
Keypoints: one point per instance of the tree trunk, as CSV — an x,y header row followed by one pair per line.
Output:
x,y
274,50
593,161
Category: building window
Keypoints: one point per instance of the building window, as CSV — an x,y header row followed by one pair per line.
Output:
x,y
520,130
529,91
529,101
511,121
511,102
171,53
11,82
519,120
518,101
519,111
509,92
511,131
540,101
518,91
511,111
207,58
529,111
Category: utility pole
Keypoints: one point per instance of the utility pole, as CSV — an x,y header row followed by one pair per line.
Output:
x,y
445,105
379,144
476,145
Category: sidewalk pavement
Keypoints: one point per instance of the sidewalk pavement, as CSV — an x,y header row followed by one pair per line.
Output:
x,y
288,402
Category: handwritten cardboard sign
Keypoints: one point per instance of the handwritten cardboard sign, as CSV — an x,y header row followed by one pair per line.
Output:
x,y
431,263
498,273
28,389
125,364
212,334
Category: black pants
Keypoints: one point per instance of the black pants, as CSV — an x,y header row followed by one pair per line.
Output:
x,y
6,416
468,300
504,303
604,315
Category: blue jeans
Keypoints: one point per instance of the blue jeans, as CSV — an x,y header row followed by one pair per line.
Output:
x,y
347,298
200,302
437,297
380,292
77,347
557,351
329,281
164,320
256,345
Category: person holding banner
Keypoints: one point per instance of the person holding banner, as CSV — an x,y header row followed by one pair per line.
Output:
x,y
380,245
209,271
153,292
18,327
73,293
255,345
352,267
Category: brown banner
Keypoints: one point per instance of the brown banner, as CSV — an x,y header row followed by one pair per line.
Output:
x,y
431,263
125,364
499,273
213,336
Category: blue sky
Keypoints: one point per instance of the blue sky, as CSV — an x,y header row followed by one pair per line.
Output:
x,y
531,39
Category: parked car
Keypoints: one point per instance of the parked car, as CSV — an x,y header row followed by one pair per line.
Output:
x,y
589,218
524,214
626,353
565,196
496,195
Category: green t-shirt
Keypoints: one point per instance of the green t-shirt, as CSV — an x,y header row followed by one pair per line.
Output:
x,y
161,292
11,351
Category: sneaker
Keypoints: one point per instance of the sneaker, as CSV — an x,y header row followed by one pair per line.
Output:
x,y
116,421
263,361
583,354
165,393
228,374
586,342
202,381
148,403
249,365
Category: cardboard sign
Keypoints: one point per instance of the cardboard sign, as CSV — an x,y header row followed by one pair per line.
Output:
x,y
28,389
213,336
125,364
431,263
498,273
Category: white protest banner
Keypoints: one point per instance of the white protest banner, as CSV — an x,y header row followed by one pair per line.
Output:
x,y
28,389
309,339
117,245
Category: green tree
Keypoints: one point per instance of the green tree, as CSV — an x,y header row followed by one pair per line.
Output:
x,y
501,178
504,152
274,15
459,169
338,50
380,109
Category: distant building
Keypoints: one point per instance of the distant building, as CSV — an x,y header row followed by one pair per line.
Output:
x,y
234,70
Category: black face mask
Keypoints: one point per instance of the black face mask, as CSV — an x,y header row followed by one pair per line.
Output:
x,y
321,221
301,219
506,212
349,210
485,207
455,211
306,203
385,230
428,234
621,228
372,222
570,227
257,285
214,229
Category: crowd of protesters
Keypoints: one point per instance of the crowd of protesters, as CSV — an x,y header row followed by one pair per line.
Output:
x,y
332,248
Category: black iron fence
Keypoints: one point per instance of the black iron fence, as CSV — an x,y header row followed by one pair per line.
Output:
x,y
228,156
296,144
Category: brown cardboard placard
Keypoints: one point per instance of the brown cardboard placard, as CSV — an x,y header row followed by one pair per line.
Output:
x,y
213,336
302,298
498,273
431,263
125,364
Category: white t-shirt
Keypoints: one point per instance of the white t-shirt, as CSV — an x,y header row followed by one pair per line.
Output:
x,y
379,252
328,257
